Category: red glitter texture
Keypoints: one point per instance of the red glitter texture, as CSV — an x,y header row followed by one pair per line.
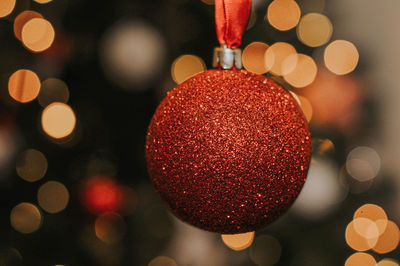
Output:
x,y
228,151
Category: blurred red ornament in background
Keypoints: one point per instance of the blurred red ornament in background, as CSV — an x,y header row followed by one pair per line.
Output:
x,y
102,194
336,101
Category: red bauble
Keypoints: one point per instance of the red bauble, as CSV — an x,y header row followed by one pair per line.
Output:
x,y
228,151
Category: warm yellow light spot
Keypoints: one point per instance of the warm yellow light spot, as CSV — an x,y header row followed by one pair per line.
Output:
x,y
283,14
23,85
389,240
21,19
186,66
361,234
360,258
53,196
306,107
276,55
341,57
162,261
374,213
6,7
266,250
304,73
314,29
325,145
387,262
31,165
110,227
37,34
43,1
238,241
25,218
253,58
53,90
58,120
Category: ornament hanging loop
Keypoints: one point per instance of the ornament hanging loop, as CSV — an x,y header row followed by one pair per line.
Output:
x,y
227,58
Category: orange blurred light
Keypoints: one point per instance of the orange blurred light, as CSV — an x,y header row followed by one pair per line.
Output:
x,y
110,227
374,213
31,165
25,218
37,34
387,262
23,18
58,120
314,29
6,7
304,73
283,14
361,234
23,85
53,196
341,57
306,107
43,1
253,56
162,261
360,258
276,55
186,66
238,241
389,240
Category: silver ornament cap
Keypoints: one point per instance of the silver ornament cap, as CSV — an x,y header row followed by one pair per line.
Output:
x,y
227,58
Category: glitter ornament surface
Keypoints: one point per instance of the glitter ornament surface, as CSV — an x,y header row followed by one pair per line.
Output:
x,y
228,151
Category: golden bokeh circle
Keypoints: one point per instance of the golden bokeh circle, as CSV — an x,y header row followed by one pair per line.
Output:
x,y
186,66
6,7
53,197
387,262
58,120
283,14
360,258
37,34
24,85
53,90
374,213
162,261
42,1
31,165
277,54
304,73
389,240
341,57
110,227
361,234
23,18
25,218
314,29
238,241
252,58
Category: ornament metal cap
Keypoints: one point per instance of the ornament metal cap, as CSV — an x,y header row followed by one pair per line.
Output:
x,y
227,58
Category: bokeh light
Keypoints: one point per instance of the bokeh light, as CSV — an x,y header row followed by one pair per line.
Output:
x,y
304,73
360,258
102,194
31,165
276,55
266,250
23,18
387,262
252,58
53,196
43,1
58,120
283,14
322,192
186,66
110,227
6,7
53,90
389,240
25,218
324,146
341,57
314,29
306,107
24,85
361,234
132,54
374,213
363,163
37,34
162,261
238,241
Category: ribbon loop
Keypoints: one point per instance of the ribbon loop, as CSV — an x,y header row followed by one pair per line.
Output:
x,y
231,19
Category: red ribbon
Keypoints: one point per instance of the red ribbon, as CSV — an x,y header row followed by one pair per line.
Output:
x,y
231,19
